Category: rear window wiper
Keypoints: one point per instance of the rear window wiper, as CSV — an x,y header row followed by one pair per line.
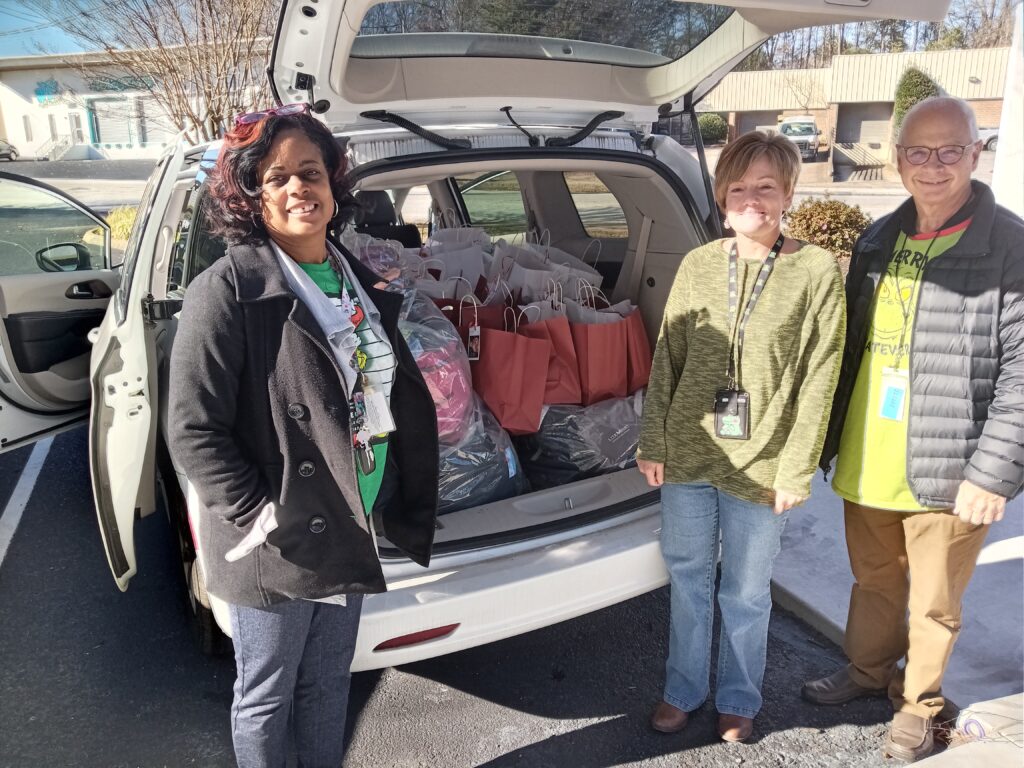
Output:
x,y
442,141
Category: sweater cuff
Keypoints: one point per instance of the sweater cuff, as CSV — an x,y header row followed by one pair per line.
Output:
x,y
655,453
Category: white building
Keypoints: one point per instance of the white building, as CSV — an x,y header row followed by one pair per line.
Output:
x,y
47,109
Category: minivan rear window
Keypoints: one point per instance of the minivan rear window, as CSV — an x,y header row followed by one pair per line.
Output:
x,y
643,33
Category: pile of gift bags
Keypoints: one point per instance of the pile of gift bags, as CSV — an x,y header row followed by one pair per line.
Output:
x,y
517,340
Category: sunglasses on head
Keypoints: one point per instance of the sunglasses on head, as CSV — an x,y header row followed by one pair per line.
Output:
x,y
249,118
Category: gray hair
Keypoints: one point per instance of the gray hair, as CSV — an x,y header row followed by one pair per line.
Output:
x,y
933,102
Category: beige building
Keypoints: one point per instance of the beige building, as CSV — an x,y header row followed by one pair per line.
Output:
x,y
853,98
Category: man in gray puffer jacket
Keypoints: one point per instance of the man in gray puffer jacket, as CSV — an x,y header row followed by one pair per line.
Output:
x,y
928,419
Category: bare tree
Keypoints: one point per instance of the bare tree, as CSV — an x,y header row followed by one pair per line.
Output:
x,y
201,61
806,88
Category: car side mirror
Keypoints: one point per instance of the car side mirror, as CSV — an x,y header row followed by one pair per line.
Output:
x,y
64,257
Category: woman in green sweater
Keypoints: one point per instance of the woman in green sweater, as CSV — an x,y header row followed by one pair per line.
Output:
x,y
745,368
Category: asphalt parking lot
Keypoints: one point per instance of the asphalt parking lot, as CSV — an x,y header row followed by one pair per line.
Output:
x,y
95,678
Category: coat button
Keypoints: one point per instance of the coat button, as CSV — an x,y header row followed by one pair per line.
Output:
x,y
307,468
317,524
297,410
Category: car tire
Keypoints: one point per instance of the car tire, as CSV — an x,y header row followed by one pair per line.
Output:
x,y
13,156
992,143
203,625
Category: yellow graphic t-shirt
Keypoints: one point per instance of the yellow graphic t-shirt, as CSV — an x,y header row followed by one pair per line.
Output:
x,y
872,465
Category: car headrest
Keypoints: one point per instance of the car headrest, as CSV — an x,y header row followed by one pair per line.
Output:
x,y
375,207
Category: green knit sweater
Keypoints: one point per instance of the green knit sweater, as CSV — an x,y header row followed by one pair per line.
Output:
x,y
791,354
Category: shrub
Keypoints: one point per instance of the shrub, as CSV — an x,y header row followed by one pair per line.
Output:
x,y
120,220
829,224
713,128
915,86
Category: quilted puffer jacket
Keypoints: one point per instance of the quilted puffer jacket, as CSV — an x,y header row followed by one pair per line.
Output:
x,y
966,406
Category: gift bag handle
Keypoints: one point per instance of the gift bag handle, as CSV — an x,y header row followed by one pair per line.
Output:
x,y
554,293
450,220
423,267
460,277
515,320
586,250
501,283
475,303
524,310
585,292
539,242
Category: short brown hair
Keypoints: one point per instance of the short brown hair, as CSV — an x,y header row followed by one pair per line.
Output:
x,y
738,155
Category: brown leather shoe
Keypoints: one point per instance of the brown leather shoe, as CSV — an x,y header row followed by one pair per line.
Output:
x,y
669,719
735,728
910,738
837,688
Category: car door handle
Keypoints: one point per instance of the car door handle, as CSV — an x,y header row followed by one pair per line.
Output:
x,y
94,289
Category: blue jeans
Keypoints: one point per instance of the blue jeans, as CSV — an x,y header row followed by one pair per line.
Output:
x,y
293,661
692,516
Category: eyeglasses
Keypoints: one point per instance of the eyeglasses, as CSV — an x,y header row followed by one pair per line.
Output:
x,y
249,118
949,154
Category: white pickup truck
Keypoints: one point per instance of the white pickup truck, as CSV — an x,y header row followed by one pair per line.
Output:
x,y
803,131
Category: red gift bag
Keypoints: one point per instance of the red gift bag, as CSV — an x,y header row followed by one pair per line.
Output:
x,y
601,356
563,381
511,376
467,314
638,353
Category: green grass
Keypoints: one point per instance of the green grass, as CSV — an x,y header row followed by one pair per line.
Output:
x,y
121,220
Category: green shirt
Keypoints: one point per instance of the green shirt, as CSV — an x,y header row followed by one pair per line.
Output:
x,y
872,465
790,365
327,280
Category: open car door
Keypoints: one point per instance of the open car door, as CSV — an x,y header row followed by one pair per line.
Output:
x,y
56,280
122,429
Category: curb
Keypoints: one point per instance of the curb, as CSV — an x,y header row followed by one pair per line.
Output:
x,y
790,601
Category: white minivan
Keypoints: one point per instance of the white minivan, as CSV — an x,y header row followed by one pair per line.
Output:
x,y
530,122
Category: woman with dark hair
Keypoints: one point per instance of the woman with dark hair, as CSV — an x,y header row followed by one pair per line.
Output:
x,y
300,418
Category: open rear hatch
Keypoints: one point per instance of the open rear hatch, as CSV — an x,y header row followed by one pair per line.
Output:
x,y
559,64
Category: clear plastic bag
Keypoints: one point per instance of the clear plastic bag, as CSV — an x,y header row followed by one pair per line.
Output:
x,y
482,467
441,358
575,442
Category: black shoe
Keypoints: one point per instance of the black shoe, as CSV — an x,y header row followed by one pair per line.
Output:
x,y
837,688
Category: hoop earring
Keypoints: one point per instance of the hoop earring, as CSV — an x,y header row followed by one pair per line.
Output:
x,y
337,210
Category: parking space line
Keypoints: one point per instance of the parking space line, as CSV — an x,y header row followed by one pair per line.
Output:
x,y
21,494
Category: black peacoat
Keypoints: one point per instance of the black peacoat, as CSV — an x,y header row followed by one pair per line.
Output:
x,y
259,412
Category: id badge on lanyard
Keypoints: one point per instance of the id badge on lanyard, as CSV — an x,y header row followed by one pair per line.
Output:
x,y
895,386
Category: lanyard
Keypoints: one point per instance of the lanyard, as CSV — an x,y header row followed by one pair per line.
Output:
x,y
907,307
736,343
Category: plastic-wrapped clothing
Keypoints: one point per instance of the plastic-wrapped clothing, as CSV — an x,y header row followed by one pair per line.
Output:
x,y
441,358
482,468
576,442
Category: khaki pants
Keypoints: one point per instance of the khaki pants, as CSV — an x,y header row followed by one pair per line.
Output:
x,y
921,562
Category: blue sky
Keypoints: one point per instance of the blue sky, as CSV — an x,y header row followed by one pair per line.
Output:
x,y
22,31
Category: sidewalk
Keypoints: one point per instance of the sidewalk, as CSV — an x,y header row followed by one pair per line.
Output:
x,y
812,579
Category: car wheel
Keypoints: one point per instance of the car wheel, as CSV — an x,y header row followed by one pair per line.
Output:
x,y
13,156
991,146
211,641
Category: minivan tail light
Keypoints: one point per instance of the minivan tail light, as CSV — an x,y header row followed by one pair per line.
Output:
x,y
416,637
